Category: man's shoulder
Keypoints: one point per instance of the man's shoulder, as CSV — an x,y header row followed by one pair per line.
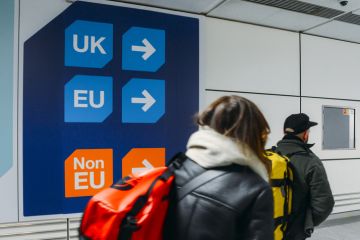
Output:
x,y
308,158
291,148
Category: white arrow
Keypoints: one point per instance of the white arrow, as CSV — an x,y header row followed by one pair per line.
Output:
x,y
147,165
148,49
147,100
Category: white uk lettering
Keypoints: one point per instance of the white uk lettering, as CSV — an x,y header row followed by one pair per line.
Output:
x,y
94,44
76,44
97,44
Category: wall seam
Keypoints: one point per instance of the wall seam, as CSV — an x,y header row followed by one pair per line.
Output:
x,y
68,228
258,93
339,99
339,159
300,70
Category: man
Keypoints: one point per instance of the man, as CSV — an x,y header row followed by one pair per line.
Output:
x,y
312,197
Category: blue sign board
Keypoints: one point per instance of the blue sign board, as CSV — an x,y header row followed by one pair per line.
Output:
x,y
98,80
88,99
143,49
88,44
143,101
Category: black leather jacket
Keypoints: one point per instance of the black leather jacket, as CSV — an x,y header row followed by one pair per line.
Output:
x,y
312,197
236,205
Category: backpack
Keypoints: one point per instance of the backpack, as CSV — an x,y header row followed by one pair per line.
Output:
x,y
136,206
281,180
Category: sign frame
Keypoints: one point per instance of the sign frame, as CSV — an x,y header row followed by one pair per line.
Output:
x,y
36,25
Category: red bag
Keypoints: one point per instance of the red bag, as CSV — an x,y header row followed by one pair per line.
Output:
x,y
134,208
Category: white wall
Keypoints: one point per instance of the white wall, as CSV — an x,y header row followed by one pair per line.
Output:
x,y
248,58
263,65
313,107
243,59
330,69
344,179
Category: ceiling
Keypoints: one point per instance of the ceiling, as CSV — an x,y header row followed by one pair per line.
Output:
x,y
326,18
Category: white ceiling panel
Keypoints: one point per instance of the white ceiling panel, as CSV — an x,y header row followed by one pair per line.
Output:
x,y
243,11
338,30
194,6
265,15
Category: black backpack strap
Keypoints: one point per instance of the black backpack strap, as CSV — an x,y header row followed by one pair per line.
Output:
x,y
198,181
274,149
287,188
287,218
129,224
176,161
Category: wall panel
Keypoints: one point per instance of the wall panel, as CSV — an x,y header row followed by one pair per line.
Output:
x,y
341,165
247,58
343,180
313,107
329,68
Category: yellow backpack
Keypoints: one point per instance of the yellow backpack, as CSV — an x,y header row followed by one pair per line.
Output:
x,y
281,180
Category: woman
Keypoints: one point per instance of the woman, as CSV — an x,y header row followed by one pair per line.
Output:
x,y
238,203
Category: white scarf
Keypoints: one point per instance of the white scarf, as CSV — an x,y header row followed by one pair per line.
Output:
x,y
211,149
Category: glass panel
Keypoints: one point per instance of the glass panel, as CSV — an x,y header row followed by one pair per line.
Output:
x,y
338,128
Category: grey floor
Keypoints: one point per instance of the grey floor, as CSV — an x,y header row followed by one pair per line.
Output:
x,y
338,229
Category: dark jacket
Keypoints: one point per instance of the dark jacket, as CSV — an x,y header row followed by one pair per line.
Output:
x,y
236,205
312,197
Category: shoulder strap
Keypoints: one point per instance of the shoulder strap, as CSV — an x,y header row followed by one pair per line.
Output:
x,y
129,224
177,160
289,155
274,149
198,181
295,153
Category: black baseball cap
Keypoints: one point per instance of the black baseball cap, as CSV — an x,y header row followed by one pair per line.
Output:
x,y
298,123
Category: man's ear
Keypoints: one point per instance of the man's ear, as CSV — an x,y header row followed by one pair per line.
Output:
x,y
306,135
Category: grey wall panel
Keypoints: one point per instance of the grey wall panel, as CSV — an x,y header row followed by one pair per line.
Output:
x,y
36,230
74,224
313,107
248,58
330,68
343,181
